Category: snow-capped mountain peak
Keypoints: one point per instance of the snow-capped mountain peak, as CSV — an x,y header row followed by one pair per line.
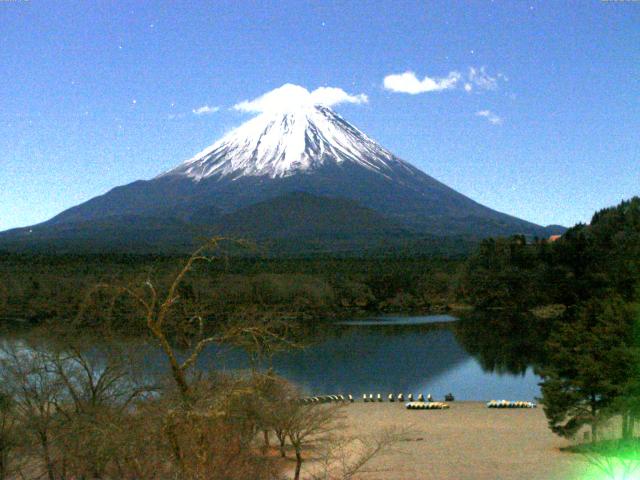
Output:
x,y
297,175
286,143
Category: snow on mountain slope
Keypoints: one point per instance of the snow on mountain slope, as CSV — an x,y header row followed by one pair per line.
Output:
x,y
297,170
282,144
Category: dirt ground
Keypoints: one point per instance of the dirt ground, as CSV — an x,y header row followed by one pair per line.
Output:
x,y
466,442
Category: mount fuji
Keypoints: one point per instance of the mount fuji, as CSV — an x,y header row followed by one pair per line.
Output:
x,y
299,179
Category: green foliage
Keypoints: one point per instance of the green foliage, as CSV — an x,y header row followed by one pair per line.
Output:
x,y
503,274
594,353
587,261
583,287
590,360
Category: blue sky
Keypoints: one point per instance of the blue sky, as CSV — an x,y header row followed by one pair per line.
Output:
x,y
99,94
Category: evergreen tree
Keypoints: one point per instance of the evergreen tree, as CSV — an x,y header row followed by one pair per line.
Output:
x,y
504,274
627,405
590,361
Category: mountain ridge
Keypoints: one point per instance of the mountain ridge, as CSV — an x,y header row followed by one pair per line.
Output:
x,y
309,151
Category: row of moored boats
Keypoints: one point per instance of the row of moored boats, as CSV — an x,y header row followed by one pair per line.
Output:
x,y
420,403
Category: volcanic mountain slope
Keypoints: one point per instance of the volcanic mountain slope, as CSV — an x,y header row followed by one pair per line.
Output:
x,y
246,183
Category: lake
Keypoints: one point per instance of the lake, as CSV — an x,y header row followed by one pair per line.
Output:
x,y
393,355
435,354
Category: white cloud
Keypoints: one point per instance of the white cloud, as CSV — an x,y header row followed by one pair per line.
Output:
x,y
477,78
490,116
205,110
408,82
333,96
290,96
481,79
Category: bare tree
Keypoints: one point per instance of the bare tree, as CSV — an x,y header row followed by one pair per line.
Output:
x,y
277,414
205,428
68,398
88,416
8,433
261,337
27,378
157,309
99,388
270,404
261,340
309,425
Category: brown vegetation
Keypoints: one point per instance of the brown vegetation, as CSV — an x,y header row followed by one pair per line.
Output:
x,y
42,288
82,409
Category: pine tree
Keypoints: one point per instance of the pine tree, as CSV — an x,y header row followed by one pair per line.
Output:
x,y
590,361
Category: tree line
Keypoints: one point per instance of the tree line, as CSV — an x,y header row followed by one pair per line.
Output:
x,y
51,288
584,293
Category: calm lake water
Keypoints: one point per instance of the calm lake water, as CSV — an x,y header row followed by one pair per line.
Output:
x,y
392,355
428,354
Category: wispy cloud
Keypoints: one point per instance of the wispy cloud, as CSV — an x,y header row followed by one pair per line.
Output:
x,y
293,96
477,78
205,110
408,82
490,116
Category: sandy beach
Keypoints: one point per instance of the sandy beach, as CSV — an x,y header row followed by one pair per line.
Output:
x,y
466,442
